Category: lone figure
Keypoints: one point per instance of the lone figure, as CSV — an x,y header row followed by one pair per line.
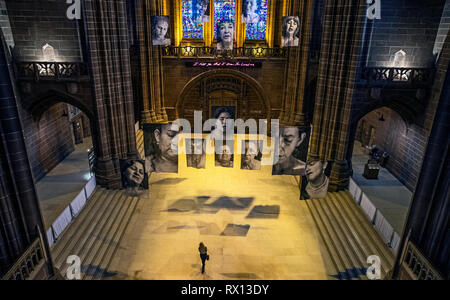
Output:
x,y
203,255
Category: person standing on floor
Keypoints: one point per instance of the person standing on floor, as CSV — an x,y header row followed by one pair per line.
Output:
x,y
203,255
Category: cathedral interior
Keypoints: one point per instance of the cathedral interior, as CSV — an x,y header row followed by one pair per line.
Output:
x,y
224,140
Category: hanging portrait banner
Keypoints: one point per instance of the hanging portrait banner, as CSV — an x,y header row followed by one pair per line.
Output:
x,y
291,148
290,158
161,148
160,31
250,11
290,32
196,153
134,175
251,155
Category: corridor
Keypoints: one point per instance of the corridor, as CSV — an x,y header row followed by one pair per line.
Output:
x,y
387,193
62,184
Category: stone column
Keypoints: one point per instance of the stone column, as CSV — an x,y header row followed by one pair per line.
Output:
x,y
110,73
151,65
340,53
427,223
296,67
20,214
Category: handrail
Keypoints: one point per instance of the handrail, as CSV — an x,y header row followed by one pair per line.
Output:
x,y
213,52
27,263
59,71
398,76
418,265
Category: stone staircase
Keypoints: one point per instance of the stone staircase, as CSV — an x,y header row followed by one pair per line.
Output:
x,y
349,237
140,143
95,234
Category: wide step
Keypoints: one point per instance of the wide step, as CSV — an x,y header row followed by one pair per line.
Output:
x,y
96,234
349,238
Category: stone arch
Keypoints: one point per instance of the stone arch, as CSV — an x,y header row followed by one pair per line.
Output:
x,y
40,103
229,80
406,107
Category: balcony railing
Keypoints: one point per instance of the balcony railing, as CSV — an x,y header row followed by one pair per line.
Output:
x,y
415,77
212,52
28,262
418,266
59,71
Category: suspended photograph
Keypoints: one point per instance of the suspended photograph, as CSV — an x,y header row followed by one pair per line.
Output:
x,y
161,148
224,153
134,176
250,11
316,180
291,32
224,117
251,155
291,150
195,153
160,31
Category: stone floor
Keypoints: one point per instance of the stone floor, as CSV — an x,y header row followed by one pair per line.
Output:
x,y
387,193
253,224
63,183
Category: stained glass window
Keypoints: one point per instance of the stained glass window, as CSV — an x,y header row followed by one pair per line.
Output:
x,y
257,31
224,10
191,29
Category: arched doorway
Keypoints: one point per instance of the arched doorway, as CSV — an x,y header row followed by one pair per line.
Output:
x,y
381,163
223,88
59,140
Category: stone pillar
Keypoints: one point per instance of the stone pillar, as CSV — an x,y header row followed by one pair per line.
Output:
x,y
151,65
428,219
343,28
296,68
20,215
108,54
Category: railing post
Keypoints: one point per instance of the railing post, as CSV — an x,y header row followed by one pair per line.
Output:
x,y
48,260
56,65
36,72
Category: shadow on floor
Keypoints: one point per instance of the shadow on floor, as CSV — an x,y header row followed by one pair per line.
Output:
x,y
91,270
349,274
235,230
241,275
264,212
199,205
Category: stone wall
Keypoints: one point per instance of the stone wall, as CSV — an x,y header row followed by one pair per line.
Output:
x,y
411,26
270,77
48,140
36,23
404,142
443,31
5,25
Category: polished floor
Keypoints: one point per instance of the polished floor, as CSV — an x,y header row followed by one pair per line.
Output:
x,y
387,193
63,183
253,224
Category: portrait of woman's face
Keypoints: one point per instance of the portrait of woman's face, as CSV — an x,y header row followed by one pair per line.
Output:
x,y
226,32
314,169
135,173
291,26
167,140
161,29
